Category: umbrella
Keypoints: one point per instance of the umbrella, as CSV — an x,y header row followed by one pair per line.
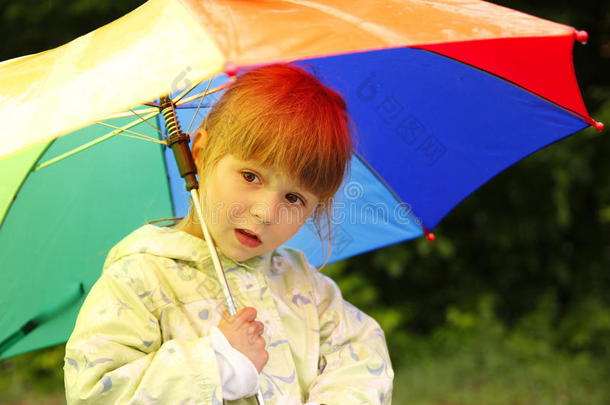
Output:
x,y
445,94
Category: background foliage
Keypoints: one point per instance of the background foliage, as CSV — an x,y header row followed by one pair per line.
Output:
x,y
510,305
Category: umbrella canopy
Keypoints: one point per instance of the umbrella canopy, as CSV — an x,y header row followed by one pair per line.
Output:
x,y
444,95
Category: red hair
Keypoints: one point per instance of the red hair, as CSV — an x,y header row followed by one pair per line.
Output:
x,y
283,117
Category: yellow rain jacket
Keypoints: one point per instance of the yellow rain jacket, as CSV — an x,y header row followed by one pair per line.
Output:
x,y
142,335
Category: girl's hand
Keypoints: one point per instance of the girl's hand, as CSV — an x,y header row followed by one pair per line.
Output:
x,y
244,333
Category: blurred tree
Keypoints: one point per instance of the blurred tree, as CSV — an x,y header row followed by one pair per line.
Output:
x,y
32,26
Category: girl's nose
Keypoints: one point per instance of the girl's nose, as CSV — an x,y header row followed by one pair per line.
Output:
x,y
259,211
265,209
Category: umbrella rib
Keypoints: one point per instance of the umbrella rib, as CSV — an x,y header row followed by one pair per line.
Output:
x,y
199,106
198,127
187,91
202,95
92,143
196,96
38,320
130,114
151,125
190,106
137,135
405,205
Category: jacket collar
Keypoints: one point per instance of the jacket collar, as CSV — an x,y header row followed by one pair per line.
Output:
x,y
166,242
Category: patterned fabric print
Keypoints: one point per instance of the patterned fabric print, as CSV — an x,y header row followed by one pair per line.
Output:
x,y
278,377
142,334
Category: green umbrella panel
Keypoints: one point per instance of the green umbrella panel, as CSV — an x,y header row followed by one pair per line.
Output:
x,y
66,216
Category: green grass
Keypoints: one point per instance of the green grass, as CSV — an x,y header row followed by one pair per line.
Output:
x,y
33,378
469,376
474,360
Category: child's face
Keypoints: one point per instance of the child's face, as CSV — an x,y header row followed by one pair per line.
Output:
x,y
240,197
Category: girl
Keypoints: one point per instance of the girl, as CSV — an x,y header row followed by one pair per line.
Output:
x,y
154,329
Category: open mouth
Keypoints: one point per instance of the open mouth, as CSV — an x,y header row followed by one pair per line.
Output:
x,y
247,238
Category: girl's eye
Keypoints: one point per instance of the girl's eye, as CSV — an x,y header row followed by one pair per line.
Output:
x,y
249,176
293,198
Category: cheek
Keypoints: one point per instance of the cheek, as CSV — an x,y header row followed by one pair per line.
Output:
x,y
235,213
219,195
294,216
233,205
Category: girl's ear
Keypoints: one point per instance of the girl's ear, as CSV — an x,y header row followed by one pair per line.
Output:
x,y
199,141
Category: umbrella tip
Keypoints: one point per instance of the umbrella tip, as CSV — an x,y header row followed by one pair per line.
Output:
x,y
429,235
581,36
230,69
599,126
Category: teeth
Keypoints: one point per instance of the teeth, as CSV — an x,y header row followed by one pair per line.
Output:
x,y
248,233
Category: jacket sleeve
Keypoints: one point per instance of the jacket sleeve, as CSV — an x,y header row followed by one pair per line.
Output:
x,y
116,354
354,363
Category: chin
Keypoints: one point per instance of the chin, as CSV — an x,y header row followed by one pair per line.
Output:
x,y
240,256
243,258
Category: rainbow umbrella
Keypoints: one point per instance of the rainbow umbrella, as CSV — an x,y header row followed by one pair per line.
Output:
x,y
445,94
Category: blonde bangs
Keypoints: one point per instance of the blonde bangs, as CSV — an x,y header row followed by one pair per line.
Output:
x,y
280,116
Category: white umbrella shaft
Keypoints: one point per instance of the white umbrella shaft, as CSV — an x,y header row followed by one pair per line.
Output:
x,y
219,271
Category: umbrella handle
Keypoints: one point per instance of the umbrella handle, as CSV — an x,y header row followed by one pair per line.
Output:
x,y
218,267
179,144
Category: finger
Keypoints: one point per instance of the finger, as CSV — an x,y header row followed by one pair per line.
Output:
x,y
247,314
234,320
260,342
256,328
256,340
252,337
